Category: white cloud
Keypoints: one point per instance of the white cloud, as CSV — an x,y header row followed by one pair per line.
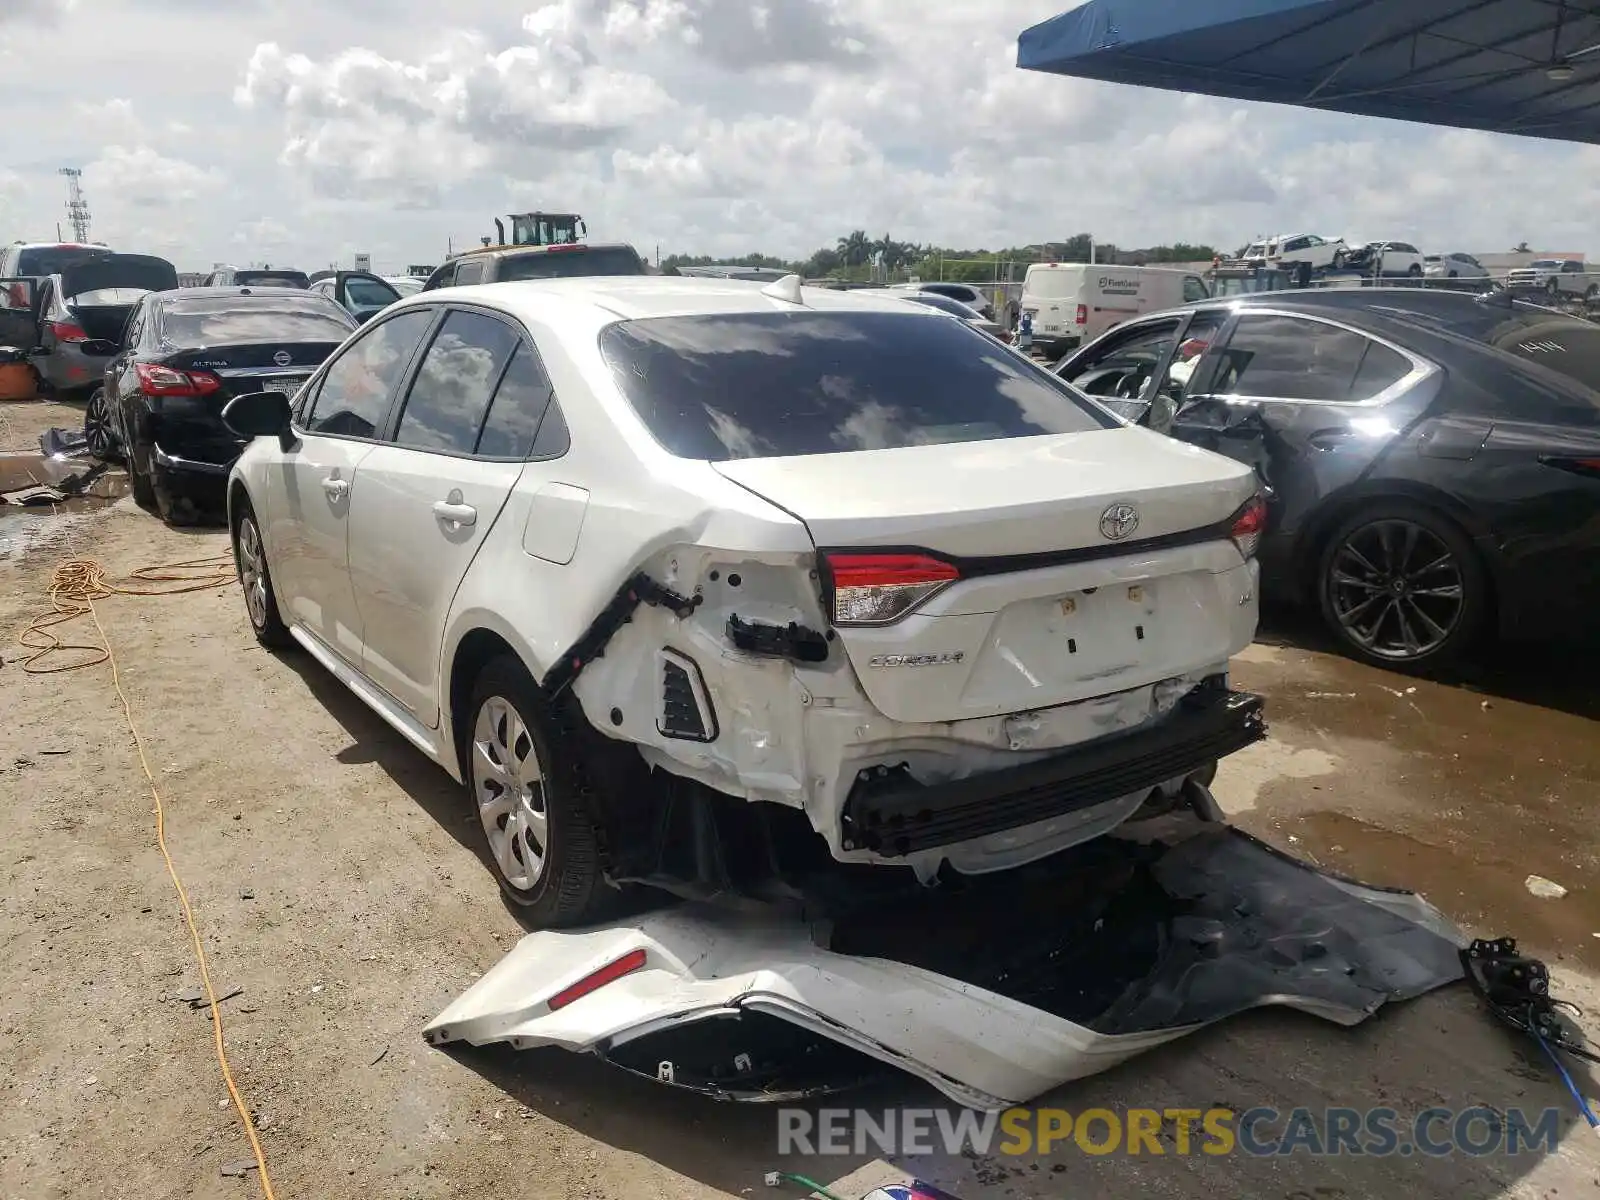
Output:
x,y
713,126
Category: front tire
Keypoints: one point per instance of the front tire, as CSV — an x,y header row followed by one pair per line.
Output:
x,y
260,601
1338,260
98,430
1403,587
1414,271
526,781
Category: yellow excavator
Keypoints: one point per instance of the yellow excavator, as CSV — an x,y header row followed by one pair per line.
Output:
x,y
542,229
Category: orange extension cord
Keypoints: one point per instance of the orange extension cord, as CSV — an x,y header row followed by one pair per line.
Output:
x,y
75,586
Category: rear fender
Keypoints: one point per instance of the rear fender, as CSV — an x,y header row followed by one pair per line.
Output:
x,y
750,695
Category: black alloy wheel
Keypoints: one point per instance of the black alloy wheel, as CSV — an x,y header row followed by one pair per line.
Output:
x,y
1403,587
98,430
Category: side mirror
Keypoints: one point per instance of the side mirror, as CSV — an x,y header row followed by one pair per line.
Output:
x,y
259,414
99,347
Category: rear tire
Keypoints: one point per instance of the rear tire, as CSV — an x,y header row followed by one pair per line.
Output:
x,y
143,494
526,780
1402,586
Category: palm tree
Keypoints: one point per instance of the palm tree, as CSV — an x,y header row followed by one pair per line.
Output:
x,y
856,248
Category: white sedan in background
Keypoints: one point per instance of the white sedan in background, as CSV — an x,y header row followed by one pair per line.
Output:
x,y
717,586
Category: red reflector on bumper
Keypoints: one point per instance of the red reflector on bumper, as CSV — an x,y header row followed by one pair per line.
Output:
x,y
610,973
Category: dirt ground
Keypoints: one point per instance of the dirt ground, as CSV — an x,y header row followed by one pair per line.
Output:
x,y
336,880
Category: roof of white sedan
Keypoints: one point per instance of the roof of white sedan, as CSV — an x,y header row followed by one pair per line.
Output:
x,y
628,297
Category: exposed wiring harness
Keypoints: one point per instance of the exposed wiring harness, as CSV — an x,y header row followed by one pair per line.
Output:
x,y
1516,990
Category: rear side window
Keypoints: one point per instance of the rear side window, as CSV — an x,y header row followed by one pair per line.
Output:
x,y
355,390
519,405
470,272
568,264
773,385
450,395
1290,358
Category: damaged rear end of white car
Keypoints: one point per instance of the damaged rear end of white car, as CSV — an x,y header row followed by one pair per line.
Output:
x,y
902,627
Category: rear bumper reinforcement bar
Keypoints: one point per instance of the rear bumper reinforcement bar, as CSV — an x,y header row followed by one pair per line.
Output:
x,y
902,817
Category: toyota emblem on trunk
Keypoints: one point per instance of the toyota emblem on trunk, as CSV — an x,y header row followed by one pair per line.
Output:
x,y
1119,520
283,358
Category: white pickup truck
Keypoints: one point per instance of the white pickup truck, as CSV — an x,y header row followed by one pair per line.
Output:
x,y
1557,276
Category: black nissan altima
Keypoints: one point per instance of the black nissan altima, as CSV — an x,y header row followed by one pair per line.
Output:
x,y
182,356
1431,460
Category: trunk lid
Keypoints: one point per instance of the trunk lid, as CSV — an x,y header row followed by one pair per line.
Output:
x,y
1017,496
1098,958
254,366
141,272
1057,600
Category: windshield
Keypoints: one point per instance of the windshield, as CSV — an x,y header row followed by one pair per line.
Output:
x,y
406,285
108,296
566,264
240,319
774,385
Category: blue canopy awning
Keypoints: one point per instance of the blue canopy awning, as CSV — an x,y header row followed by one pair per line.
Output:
x,y
1510,66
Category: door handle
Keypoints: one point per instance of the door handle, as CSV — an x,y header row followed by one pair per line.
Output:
x,y
336,488
455,514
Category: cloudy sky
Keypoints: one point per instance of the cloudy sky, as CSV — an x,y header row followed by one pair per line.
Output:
x,y
298,132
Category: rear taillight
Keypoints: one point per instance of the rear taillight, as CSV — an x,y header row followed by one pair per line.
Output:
x,y
595,980
875,589
1578,466
156,380
1083,315
1249,523
68,331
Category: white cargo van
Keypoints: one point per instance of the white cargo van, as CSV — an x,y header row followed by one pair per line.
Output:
x,y
1073,303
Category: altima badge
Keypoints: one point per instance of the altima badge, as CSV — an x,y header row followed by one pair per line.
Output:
x,y
1119,520
942,658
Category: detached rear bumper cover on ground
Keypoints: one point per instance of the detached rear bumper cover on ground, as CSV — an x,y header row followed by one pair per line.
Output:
x,y
1235,925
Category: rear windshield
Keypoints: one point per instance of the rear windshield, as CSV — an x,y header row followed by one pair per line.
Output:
x,y
1053,283
775,385
237,319
567,264
1546,262
52,260
288,279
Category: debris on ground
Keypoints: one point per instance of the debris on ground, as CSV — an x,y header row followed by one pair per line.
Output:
x,y
1545,889
36,496
240,1168
63,443
195,997
382,1054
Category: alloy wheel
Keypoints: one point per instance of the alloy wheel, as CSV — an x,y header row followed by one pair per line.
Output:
x,y
253,572
508,785
1396,589
97,429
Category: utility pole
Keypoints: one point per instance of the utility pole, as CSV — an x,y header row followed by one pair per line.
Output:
x,y
77,206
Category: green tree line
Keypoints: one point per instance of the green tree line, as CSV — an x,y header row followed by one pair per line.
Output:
x,y
852,258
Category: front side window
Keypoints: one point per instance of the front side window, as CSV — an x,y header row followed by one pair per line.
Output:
x,y
469,272
778,384
1292,358
449,397
1126,367
355,390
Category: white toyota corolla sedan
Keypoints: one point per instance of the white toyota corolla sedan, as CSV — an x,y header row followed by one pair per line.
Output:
x,y
722,587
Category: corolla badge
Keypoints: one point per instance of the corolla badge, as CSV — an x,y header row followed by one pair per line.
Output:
x,y
1119,520
283,358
